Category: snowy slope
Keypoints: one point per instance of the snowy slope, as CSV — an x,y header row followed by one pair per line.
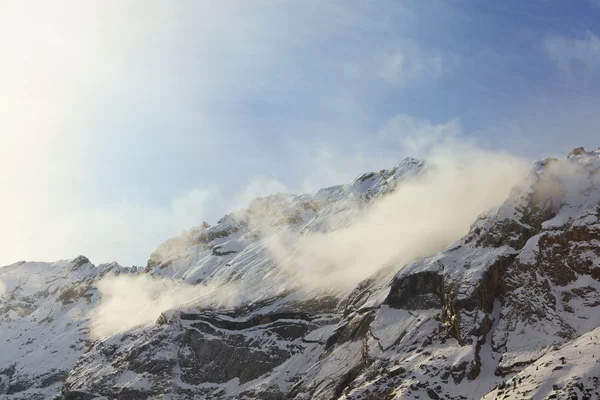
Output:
x,y
239,240
45,308
43,323
501,305
571,371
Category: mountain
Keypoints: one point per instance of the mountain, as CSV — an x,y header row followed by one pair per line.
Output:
x,y
243,309
43,322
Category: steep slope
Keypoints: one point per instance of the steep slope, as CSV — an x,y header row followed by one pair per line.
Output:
x,y
454,325
571,371
43,323
46,307
231,248
523,280
491,315
278,329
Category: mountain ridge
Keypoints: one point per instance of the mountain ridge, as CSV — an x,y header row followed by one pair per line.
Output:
x,y
466,320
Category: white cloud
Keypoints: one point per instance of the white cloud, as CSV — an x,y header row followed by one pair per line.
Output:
x,y
399,137
407,62
568,51
420,218
124,231
82,84
68,70
418,136
259,186
132,230
128,301
328,167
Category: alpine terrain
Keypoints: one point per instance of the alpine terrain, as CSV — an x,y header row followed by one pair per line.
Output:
x,y
241,310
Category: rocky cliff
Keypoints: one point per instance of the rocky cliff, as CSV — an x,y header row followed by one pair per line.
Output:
x,y
507,311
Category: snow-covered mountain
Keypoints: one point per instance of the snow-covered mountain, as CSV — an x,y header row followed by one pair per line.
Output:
x,y
44,326
507,311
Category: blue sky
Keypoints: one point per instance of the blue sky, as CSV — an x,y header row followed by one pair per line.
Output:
x,y
124,122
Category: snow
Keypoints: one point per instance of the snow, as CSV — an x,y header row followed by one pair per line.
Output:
x,y
43,333
550,376
530,251
391,324
130,379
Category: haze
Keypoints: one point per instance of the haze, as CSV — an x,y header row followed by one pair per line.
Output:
x,y
124,122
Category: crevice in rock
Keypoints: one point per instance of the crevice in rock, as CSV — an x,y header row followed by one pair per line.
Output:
x,y
241,325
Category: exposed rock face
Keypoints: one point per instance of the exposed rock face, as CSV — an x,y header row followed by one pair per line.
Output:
x,y
501,312
419,291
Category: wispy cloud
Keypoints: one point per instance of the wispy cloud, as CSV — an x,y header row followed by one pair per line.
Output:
x,y
421,217
110,115
407,62
567,51
124,123
417,136
126,231
258,187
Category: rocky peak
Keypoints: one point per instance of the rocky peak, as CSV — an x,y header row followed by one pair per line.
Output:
x,y
275,213
578,151
503,311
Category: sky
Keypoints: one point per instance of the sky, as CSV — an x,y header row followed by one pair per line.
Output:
x,y
124,122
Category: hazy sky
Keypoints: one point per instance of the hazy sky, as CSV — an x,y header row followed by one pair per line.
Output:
x,y
124,122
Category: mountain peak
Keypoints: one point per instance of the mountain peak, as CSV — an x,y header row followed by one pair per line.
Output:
x,y
502,311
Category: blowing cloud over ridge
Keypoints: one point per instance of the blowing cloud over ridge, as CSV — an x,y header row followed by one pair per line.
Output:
x,y
425,214
120,123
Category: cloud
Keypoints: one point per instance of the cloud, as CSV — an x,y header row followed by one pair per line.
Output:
x,y
130,301
325,166
408,62
71,162
131,230
417,137
400,136
124,231
259,186
422,217
112,115
567,52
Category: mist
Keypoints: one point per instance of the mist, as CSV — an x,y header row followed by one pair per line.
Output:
x,y
129,301
421,217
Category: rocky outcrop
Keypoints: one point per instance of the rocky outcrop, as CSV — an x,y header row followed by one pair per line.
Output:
x,y
503,312
419,291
